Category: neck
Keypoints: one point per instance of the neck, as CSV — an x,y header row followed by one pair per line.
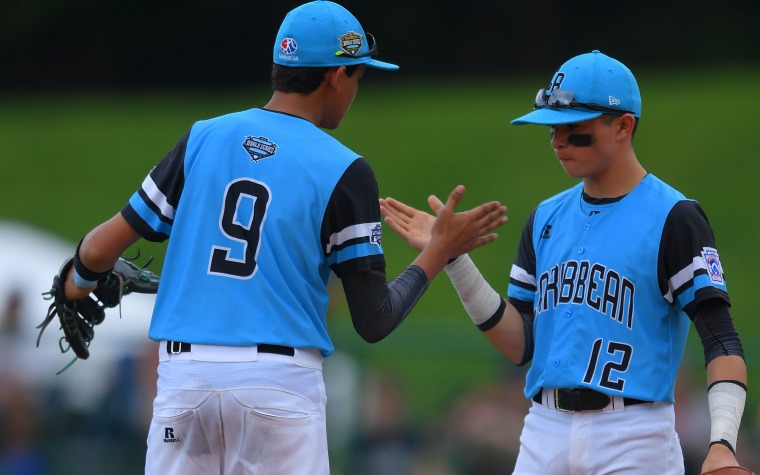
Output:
x,y
300,105
616,181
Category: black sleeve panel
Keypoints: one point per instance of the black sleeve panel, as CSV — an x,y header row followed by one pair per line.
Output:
x,y
526,253
169,178
355,200
686,234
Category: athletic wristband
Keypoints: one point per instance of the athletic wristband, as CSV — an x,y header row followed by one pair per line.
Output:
x,y
480,301
726,400
84,275
81,282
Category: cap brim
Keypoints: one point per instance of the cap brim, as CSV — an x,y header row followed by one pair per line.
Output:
x,y
373,63
547,116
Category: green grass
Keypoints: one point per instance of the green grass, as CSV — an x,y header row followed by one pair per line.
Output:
x,y
70,162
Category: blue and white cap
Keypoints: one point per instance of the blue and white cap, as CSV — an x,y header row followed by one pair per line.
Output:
x,y
584,88
324,34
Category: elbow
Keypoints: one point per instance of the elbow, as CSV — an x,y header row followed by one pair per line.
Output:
x,y
370,335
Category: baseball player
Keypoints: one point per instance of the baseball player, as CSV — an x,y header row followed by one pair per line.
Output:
x,y
260,207
609,274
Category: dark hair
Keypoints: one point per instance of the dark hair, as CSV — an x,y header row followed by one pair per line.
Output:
x,y
301,80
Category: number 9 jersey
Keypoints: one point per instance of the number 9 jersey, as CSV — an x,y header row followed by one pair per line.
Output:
x,y
611,283
260,207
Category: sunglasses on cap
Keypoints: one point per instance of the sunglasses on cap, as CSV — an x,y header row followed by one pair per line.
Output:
x,y
370,43
560,99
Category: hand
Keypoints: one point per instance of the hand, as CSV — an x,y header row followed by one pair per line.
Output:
x,y
459,233
413,225
718,456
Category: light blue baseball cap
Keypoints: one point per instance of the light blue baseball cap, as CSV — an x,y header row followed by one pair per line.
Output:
x,y
324,34
584,88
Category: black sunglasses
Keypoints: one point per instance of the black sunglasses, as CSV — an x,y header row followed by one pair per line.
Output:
x,y
370,43
560,99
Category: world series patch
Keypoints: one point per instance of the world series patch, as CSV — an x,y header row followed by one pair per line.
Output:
x,y
712,264
259,147
350,42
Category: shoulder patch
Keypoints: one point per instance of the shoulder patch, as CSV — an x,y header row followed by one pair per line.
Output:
x,y
376,235
712,264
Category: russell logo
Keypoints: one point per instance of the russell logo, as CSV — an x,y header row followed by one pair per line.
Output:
x,y
169,437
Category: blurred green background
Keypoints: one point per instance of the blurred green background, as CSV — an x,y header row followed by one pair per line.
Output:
x,y
71,161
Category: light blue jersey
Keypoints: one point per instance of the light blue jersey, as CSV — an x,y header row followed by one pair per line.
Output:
x,y
258,214
611,284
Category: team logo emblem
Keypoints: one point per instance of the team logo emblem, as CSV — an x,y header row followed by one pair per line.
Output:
x,y
289,46
376,235
712,263
351,42
259,148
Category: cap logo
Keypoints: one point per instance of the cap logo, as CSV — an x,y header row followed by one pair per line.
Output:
x,y
288,48
614,101
350,42
556,82
259,147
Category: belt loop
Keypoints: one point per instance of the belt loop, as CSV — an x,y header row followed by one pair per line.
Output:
x,y
174,347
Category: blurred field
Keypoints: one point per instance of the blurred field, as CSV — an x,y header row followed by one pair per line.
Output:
x,y
70,162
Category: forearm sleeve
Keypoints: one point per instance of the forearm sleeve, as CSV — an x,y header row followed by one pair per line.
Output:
x,y
377,307
715,327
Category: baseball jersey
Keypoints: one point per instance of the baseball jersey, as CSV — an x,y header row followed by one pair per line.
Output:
x,y
611,283
260,207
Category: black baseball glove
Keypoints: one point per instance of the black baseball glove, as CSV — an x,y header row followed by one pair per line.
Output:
x,y
78,318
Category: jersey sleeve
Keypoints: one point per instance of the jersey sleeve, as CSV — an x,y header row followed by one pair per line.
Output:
x,y
522,276
151,209
351,231
689,268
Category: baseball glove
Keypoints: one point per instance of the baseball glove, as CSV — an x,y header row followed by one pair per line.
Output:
x,y
78,318
732,470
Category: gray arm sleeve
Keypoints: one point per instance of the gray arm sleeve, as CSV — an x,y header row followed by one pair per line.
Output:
x,y
377,307
716,329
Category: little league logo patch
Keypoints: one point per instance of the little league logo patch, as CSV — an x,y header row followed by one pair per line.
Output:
x,y
712,263
351,42
376,235
259,148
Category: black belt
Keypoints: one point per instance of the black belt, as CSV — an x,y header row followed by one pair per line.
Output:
x,y
583,399
177,347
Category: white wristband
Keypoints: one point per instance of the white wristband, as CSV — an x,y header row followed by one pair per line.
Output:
x,y
479,299
726,401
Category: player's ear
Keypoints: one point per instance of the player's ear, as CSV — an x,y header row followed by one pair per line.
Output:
x,y
333,76
626,124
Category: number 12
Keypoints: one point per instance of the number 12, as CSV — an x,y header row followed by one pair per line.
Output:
x,y
621,351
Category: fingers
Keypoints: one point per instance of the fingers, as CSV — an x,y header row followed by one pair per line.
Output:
x,y
435,204
455,197
396,212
